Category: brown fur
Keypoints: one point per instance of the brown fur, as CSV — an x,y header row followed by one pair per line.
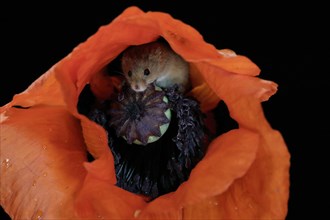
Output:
x,y
165,66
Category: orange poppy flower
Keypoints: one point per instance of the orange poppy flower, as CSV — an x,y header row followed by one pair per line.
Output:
x,y
45,173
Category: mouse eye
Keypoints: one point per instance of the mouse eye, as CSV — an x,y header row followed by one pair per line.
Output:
x,y
129,73
146,72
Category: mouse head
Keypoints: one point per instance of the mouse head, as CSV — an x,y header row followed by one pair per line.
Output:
x,y
144,64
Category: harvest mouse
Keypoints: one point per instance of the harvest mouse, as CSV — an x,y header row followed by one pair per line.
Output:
x,y
154,62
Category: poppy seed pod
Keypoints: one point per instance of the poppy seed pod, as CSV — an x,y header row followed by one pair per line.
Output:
x,y
142,117
132,119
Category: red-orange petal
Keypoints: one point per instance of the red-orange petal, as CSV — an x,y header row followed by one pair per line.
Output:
x,y
100,198
42,155
229,157
262,193
244,154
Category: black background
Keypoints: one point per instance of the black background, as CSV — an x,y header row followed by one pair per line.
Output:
x,y
287,42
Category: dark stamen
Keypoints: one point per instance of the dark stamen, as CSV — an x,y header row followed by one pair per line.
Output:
x,y
161,166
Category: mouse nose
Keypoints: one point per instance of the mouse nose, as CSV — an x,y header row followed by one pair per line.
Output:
x,y
138,88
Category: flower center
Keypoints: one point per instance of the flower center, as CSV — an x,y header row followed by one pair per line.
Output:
x,y
131,118
135,110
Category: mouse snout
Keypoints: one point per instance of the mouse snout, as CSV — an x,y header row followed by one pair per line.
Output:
x,y
137,87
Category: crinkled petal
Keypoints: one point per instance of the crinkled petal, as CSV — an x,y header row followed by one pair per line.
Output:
x,y
100,198
253,197
95,137
237,192
246,161
103,85
42,155
229,157
241,93
45,90
207,98
236,63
